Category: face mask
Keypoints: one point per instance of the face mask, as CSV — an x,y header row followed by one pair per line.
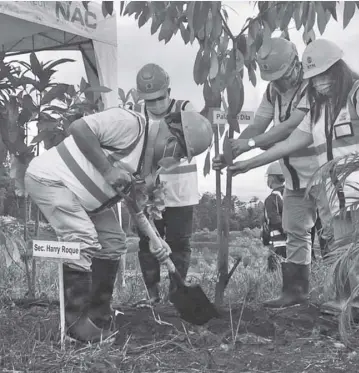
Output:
x,y
291,78
323,85
158,107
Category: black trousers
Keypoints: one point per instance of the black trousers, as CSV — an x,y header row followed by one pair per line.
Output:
x,y
176,229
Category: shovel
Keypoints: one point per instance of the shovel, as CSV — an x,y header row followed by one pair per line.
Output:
x,y
190,301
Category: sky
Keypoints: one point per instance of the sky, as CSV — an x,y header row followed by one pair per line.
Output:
x,y
137,47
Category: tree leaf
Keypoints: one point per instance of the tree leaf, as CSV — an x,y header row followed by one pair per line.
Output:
x,y
190,16
266,45
36,68
223,44
209,25
122,7
271,16
107,8
205,66
322,18
288,13
207,164
24,116
230,67
305,9
297,15
184,33
27,103
200,14
242,44
122,95
235,95
211,95
54,93
98,89
252,31
239,60
83,85
156,23
217,27
349,10
285,34
197,67
144,17
331,7
308,36
252,76
311,17
59,62
166,31
134,7
213,71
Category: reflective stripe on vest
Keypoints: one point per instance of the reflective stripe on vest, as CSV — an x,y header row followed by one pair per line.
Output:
x,y
338,139
297,167
91,187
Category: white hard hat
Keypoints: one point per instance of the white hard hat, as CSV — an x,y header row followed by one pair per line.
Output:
x,y
197,132
319,56
274,169
275,61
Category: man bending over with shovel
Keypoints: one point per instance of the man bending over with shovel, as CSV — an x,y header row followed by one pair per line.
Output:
x,y
74,184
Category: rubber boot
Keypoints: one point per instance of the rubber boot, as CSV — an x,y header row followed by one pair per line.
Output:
x,y
181,261
77,287
295,287
97,323
150,269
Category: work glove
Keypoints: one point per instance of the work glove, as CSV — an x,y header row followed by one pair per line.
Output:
x,y
161,253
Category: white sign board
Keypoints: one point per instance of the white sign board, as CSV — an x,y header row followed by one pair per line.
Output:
x,y
56,249
244,117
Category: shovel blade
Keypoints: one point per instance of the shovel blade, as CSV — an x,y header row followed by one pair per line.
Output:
x,y
193,305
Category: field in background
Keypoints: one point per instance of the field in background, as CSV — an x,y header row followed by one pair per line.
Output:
x,y
247,338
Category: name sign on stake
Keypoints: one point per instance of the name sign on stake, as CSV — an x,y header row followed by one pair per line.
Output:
x,y
56,250
244,117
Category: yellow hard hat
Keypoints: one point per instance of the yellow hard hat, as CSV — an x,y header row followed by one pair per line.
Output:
x,y
274,169
274,60
319,56
152,82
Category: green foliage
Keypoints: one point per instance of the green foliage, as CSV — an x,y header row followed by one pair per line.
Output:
x,y
242,215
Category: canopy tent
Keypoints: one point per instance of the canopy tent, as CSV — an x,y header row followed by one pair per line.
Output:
x,y
32,26
27,26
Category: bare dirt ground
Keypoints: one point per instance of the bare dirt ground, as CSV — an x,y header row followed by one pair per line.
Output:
x,y
296,340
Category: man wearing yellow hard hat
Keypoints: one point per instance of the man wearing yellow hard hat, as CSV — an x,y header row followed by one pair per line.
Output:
x,y
284,102
180,183
75,186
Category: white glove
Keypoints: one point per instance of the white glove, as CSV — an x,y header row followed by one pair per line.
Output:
x,y
161,253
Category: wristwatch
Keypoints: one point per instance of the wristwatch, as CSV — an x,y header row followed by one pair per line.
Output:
x,y
251,143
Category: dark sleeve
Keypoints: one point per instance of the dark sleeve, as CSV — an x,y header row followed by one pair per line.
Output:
x,y
273,204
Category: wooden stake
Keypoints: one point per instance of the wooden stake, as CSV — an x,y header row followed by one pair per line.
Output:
x,y
62,303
